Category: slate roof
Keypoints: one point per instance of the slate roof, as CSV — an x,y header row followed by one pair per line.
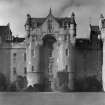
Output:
x,y
4,30
18,39
5,33
103,23
36,22
95,29
39,21
82,43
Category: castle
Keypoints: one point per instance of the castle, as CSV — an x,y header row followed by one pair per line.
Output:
x,y
52,55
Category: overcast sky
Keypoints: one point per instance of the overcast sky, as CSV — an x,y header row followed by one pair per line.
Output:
x,y
15,11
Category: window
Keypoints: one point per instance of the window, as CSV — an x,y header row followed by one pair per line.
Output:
x,y
33,52
14,70
50,25
49,83
14,54
14,57
66,67
67,52
33,39
65,25
24,56
25,70
32,68
65,37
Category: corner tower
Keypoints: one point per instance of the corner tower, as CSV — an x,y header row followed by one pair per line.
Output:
x,y
102,29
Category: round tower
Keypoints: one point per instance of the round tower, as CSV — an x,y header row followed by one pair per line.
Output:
x,y
32,51
102,29
71,47
33,74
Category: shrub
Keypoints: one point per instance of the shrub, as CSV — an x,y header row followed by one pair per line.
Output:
x,y
3,82
88,84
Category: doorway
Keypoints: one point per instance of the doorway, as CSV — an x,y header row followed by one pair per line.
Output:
x,y
46,60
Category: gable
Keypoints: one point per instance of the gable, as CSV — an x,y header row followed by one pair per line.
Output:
x,y
50,25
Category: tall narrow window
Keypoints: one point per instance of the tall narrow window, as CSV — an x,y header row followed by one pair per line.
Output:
x,y
66,67
14,71
24,56
32,68
14,54
65,37
50,25
25,70
33,52
67,52
14,57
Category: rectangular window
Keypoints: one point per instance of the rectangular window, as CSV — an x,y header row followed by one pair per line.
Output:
x,y
24,56
32,68
33,40
25,70
49,83
65,37
14,70
14,57
14,54
66,67
67,52
33,52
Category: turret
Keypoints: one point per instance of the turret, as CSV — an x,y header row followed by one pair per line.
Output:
x,y
102,29
72,29
28,25
102,26
100,21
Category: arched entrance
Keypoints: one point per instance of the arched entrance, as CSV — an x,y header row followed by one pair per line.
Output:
x,y
46,60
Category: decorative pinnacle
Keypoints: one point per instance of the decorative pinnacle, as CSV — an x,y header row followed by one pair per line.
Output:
x,y
28,16
73,14
101,16
50,12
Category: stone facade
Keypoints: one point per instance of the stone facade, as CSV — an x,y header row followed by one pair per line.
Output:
x,y
5,51
12,52
18,60
102,29
51,55
56,58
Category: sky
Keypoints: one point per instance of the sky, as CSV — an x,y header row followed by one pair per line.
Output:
x,y
86,12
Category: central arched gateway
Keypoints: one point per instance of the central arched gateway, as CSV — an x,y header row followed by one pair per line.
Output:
x,y
46,59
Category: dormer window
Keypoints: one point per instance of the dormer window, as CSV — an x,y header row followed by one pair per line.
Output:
x,y
50,25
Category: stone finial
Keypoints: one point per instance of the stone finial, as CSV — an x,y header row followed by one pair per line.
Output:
x,y
73,14
8,24
73,18
101,16
50,11
28,16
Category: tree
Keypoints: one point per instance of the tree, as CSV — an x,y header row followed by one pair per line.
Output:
x,y
21,82
88,84
3,82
